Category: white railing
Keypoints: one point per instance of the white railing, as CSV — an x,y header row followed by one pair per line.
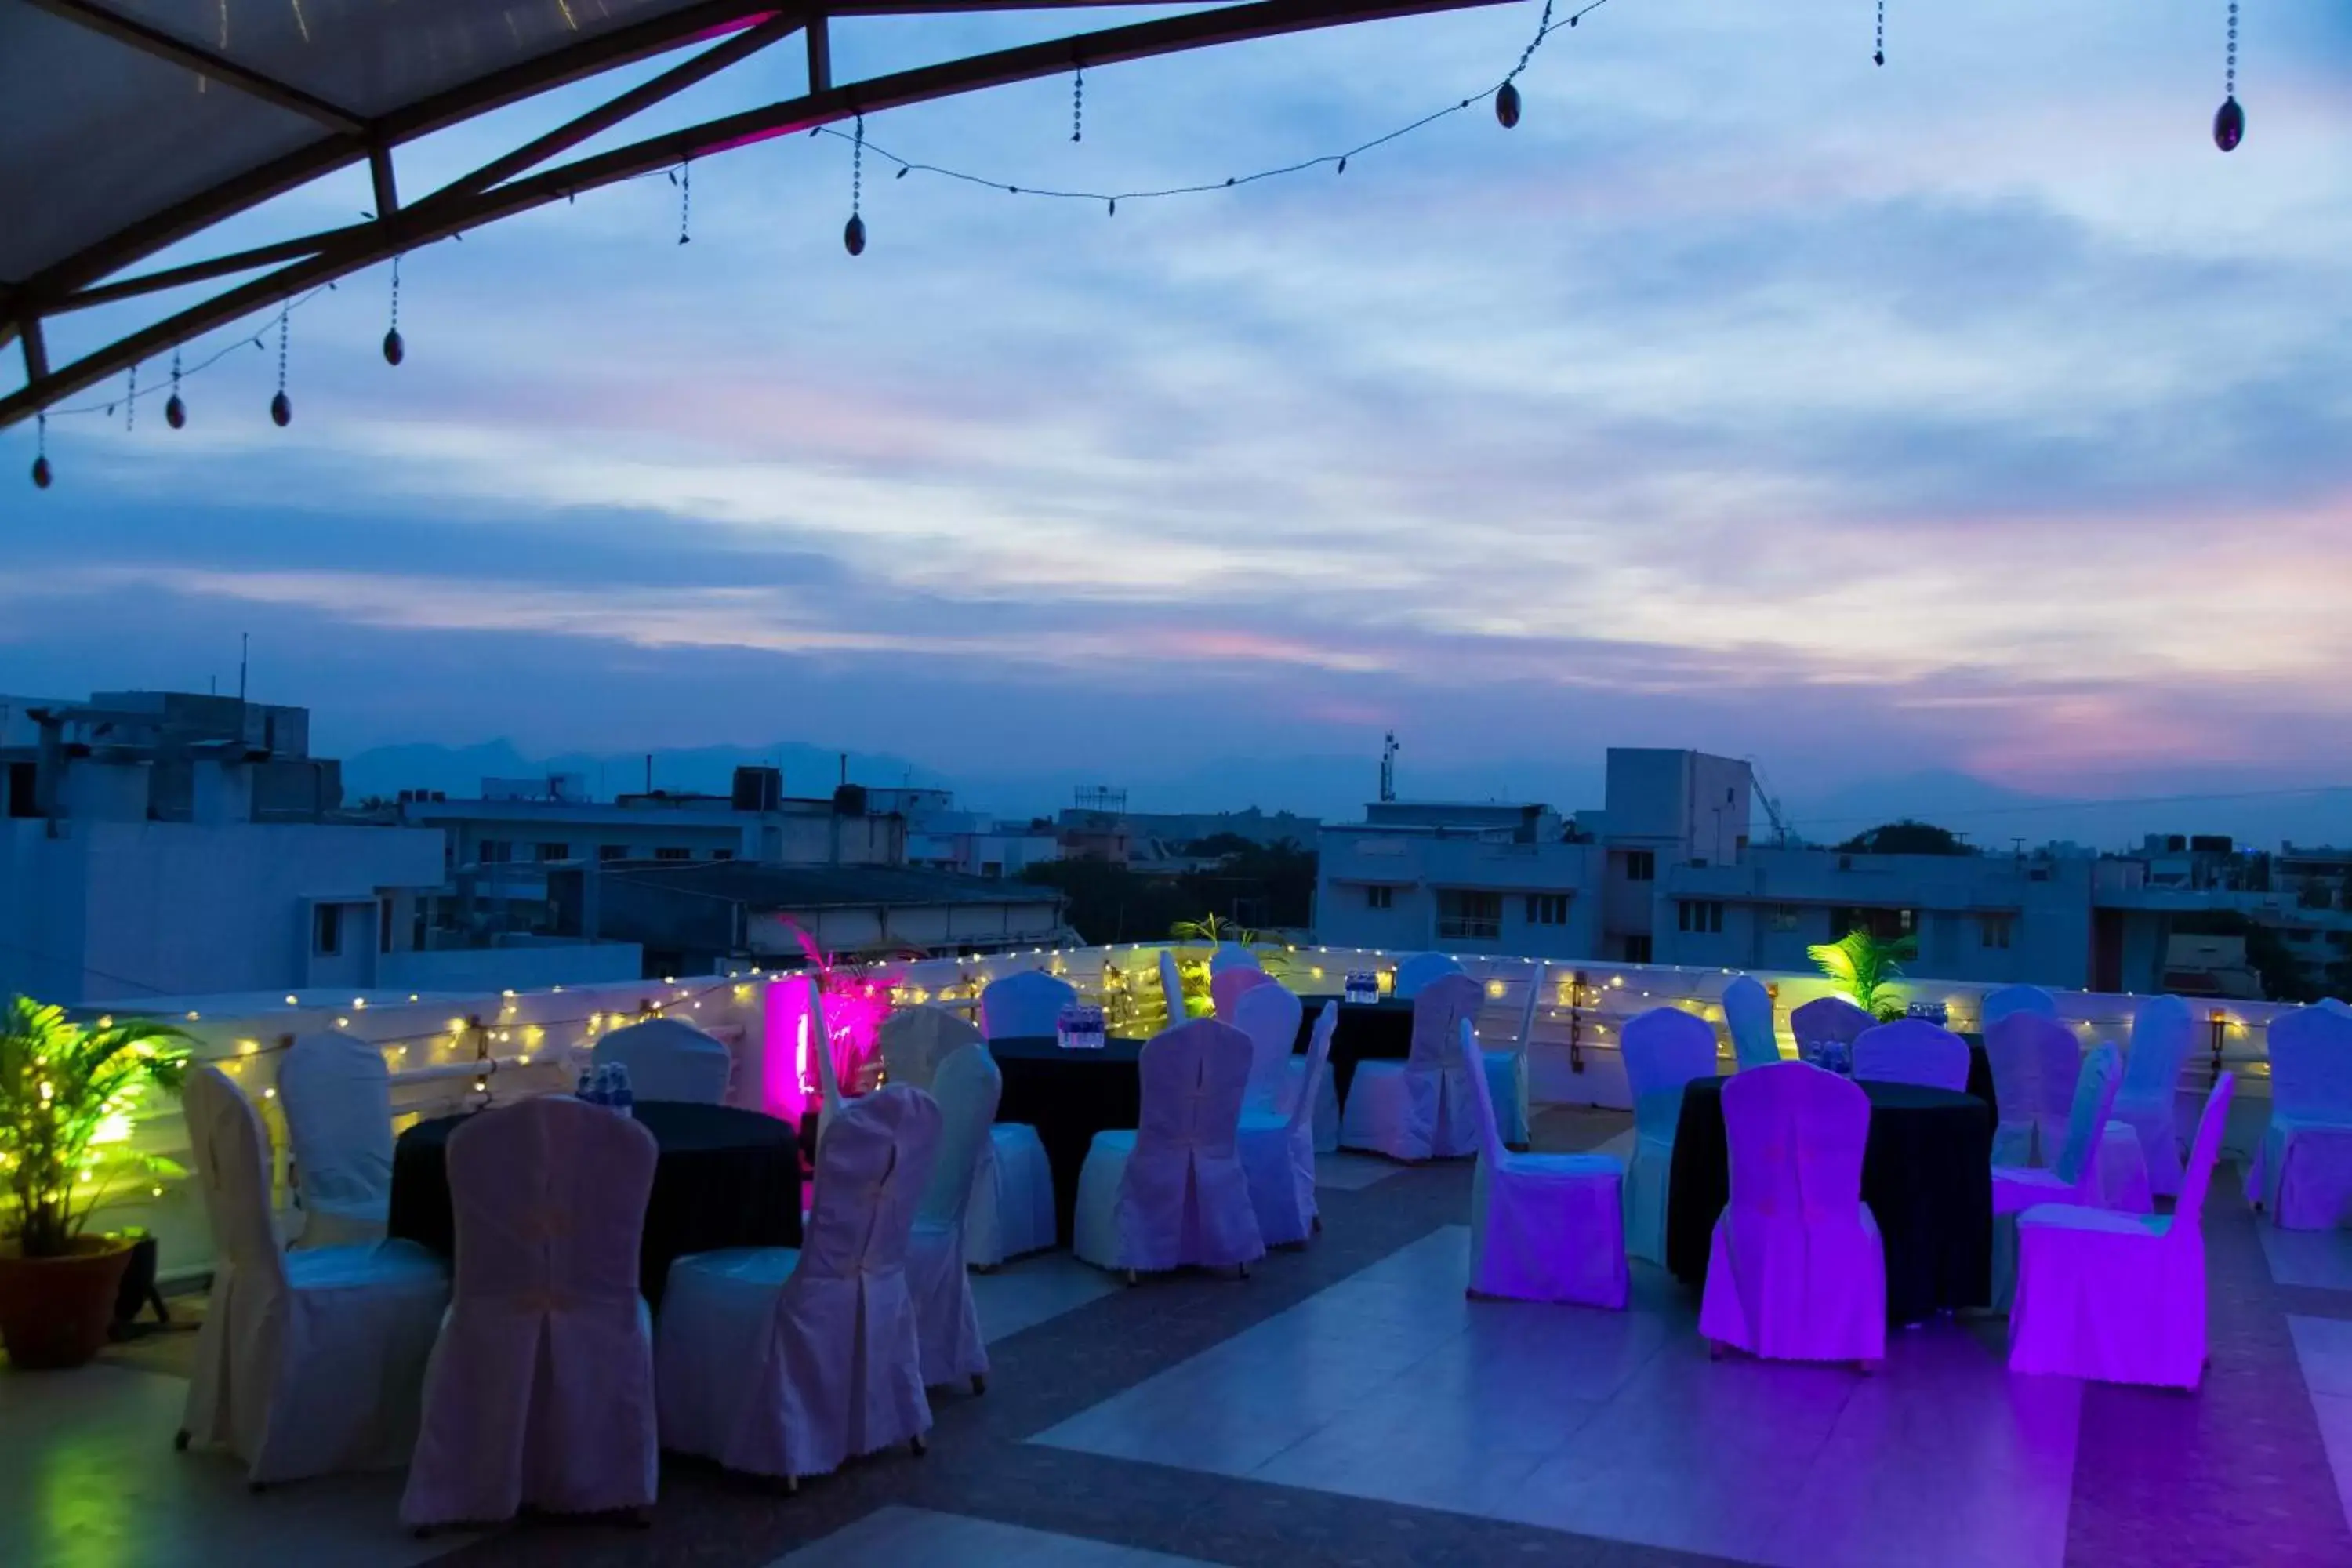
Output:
x,y
449,1053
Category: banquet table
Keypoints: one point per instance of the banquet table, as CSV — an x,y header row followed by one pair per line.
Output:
x,y
1927,1174
1368,1031
725,1177
1068,1096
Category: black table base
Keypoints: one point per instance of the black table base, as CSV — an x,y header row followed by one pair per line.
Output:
x,y
1368,1031
1927,1174
725,1178
1068,1096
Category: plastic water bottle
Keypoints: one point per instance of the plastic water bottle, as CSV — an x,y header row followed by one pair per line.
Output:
x,y
586,1088
624,1099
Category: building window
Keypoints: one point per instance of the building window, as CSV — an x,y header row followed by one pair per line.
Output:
x,y
992,868
1992,931
673,854
722,854
384,925
1637,948
493,851
552,852
1465,915
1699,915
1886,925
1640,866
612,852
1547,909
326,930
1784,917
1380,897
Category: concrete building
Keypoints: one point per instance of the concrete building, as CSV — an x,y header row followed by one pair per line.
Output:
x,y
692,917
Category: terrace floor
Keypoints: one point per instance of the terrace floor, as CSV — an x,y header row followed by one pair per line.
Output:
x,y
1348,1406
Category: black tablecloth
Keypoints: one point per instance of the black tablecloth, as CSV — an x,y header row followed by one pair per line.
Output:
x,y
1068,1096
726,1178
1927,1175
1368,1031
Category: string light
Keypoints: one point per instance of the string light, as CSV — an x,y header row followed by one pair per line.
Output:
x,y
281,407
684,181
130,402
2230,121
1077,106
175,413
41,452
1878,54
853,233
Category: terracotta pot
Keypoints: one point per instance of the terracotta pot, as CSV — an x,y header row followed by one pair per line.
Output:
x,y
54,1311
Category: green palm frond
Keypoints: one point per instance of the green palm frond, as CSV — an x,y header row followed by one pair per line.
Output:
x,y
1865,966
67,1094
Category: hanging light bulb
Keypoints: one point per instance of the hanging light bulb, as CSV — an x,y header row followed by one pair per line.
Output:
x,y
41,454
852,234
175,413
281,410
395,351
1506,105
2230,121
41,472
281,407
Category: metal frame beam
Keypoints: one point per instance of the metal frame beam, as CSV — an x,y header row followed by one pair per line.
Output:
x,y
154,41
324,256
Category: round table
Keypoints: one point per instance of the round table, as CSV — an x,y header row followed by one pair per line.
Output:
x,y
1068,1096
1927,1174
1366,1031
725,1178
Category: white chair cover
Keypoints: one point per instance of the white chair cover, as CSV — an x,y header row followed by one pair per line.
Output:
x,y
1665,1048
306,1363
1506,1069
1999,1004
1826,1019
1420,1108
1543,1228
1232,955
1748,1011
787,1361
541,1393
2016,1045
1226,987
1326,1092
337,1093
915,1039
2074,1178
1796,1271
669,1059
947,1322
1278,1146
1172,1192
1269,1014
2119,1296
1416,971
2150,1097
1172,989
1912,1050
1024,1005
2302,1170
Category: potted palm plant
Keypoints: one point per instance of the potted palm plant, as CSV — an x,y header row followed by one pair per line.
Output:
x,y
66,1096
1865,968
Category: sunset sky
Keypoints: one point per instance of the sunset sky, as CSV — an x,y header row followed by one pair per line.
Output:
x,y
1973,414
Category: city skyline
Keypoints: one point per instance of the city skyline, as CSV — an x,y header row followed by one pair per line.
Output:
x,y
1969,416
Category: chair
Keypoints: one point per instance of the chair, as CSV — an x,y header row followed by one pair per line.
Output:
x,y
1999,1004
1912,1050
1506,1069
1172,1192
1795,1270
1665,1048
1415,971
1828,1020
2119,1298
1011,1210
337,1095
1172,989
787,1361
915,1039
1419,1109
2017,1045
306,1363
2302,1170
1233,955
541,1392
1747,1010
1543,1228
2073,1178
668,1059
947,1322
1269,1014
2149,1099
1226,986
1277,1143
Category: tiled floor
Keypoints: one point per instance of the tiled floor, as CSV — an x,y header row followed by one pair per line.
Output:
x,y
1347,1405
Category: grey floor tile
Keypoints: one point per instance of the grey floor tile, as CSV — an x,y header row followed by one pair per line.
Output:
x,y
1352,1173
914,1535
2318,1259
1035,1290
2324,1347
2335,1413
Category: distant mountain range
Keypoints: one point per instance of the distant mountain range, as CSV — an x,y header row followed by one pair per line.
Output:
x,y
1990,815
